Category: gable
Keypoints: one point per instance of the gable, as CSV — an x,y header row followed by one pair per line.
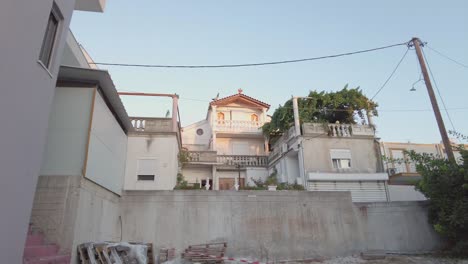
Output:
x,y
240,100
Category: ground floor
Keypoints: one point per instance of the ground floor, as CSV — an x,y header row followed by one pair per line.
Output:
x,y
214,177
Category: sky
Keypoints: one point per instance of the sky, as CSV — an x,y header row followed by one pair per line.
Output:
x,y
212,32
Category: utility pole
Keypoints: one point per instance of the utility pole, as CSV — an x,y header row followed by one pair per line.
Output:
x,y
440,122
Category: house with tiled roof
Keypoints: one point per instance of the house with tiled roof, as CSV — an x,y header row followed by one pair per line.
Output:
x,y
227,150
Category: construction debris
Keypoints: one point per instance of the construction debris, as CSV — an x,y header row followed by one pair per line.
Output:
x,y
166,254
206,253
115,253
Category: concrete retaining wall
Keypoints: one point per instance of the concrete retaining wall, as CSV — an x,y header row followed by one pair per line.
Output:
x,y
275,225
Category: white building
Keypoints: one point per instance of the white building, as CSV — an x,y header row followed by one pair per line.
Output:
x,y
402,171
332,157
227,148
33,39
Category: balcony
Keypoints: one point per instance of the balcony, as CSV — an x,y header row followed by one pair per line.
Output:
x,y
201,157
151,124
237,126
243,160
338,130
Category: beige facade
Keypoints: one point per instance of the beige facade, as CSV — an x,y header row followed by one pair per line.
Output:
x,y
228,147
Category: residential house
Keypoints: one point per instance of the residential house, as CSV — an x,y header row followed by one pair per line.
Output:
x,y
332,157
33,34
402,171
227,149
153,149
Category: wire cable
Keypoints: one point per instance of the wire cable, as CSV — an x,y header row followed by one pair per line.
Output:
x,y
447,57
438,91
248,64
391,75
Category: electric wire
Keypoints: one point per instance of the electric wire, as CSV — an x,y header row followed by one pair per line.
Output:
x,y
447,57
438,91
391,75
249,64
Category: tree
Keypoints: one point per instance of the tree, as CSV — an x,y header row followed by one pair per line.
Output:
x,y
345,106
445,184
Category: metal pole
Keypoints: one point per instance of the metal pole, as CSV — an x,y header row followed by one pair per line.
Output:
x,y
440,122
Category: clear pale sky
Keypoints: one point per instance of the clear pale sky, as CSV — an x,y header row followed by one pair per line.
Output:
x,y
246,31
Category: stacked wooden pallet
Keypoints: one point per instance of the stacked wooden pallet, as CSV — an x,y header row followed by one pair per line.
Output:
x,y
166,254
206,253
110,253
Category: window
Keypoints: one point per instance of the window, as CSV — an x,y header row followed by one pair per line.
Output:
x,y
220,116
199,131
254,117
146,169
50,35
341,158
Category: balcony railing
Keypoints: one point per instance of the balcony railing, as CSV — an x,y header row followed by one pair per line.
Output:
x,y
338,130
243,160
202,156
238,126
149,124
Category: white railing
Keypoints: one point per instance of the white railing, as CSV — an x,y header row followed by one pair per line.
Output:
x,y
243,160
148,124
237,126
340,130
202,156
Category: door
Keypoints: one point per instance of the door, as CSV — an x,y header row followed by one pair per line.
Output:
x,y
228,183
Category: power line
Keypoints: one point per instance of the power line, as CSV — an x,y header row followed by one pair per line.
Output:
x,y
438,91
248,64
391,75
447,57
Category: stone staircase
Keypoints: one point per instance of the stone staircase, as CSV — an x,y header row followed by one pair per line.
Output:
x,y
37,251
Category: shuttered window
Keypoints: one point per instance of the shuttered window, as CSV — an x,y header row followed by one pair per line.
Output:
x,y
147,169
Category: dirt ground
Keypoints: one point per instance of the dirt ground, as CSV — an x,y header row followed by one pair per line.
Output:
x,y
395,259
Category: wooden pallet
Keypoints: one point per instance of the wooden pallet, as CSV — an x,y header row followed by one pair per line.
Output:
x,y
205,253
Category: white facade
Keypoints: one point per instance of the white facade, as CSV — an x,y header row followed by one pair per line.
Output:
x,y
27,93
151,155
228,147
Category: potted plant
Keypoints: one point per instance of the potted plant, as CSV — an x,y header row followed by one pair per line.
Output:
x,y
272,181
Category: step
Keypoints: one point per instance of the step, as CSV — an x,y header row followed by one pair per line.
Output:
x,y
35,240
40,251
57,259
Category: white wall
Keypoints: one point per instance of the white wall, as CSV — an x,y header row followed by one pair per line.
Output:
x,y
164,149
68,132
192,174
27,93
404,193
192,140
107,149
254,146
256,174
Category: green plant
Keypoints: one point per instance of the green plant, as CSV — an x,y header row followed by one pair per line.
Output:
x,y
288,186
184,156
272,179
344,106
445,184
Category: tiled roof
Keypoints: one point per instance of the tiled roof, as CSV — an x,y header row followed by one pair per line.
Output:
x,y
231,98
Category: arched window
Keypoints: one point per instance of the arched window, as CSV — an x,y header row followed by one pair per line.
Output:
x,y
220,116
254,117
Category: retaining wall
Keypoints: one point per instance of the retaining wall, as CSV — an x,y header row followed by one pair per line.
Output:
x,y
276,225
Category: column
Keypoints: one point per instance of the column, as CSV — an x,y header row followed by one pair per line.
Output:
x,y
215,178
297,124
175,112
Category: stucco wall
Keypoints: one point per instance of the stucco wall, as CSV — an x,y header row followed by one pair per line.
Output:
x,y
107,150
27,93
317,154
275,225
68,132
254,146
192,140
164,149
253,173
192,174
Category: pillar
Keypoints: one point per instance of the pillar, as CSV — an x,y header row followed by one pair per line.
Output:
x,y
215,178
175,112
297,124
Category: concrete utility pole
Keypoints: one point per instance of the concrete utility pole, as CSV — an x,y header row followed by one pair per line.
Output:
x,y
440,122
